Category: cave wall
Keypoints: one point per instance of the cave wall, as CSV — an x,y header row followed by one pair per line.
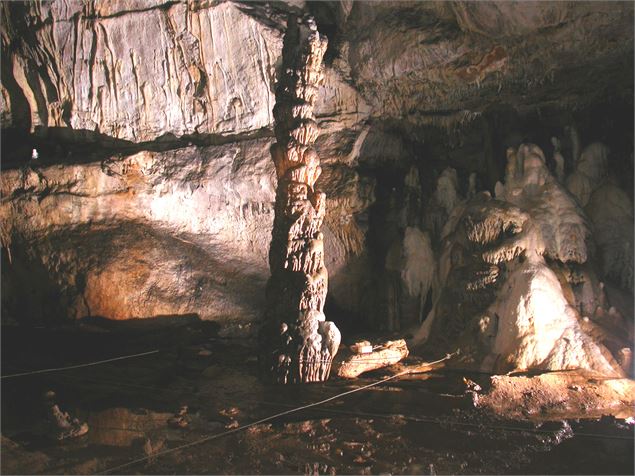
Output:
x,y
153,191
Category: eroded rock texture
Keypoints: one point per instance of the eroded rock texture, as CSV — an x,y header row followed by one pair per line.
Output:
x,y
512,276
83,65
153,233
299,344
501,50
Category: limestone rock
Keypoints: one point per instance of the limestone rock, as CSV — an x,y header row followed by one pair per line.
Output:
x,y
154,233
500,301
533,327
209,69
383,355
610,210
449,55
297,343
220,191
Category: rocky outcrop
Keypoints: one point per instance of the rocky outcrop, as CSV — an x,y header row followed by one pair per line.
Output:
x,y
184,231
433,62
82,66
149,234
209,69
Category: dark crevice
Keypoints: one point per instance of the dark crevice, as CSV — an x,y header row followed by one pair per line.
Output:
x,y
61,145
162,6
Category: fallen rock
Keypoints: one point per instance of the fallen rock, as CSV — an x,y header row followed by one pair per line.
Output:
x,y
65,426
386,354
559,395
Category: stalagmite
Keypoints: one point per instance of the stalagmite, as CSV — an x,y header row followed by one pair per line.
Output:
x,y
558,159
574,138
444,199
589,171
610,210
297,343
471,186
501,297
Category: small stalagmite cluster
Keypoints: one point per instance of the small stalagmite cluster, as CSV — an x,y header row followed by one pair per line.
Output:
x,y
298,344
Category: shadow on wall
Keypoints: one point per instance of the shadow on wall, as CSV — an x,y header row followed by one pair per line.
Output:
x,y
29,292
64,145
123,272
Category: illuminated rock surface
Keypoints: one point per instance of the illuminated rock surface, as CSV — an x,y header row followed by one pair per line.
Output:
x,y
154,233
299,344
499,300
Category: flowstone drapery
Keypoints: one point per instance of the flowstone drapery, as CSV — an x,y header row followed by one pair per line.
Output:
x,y
297,343
515,287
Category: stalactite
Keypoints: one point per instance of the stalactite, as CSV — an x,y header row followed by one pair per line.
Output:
x,y
298,344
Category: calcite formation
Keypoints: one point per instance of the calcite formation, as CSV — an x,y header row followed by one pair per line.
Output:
x,y
610,210
299,344
368,357
510,275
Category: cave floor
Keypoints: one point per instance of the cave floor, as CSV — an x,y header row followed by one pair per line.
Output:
x,y
424,424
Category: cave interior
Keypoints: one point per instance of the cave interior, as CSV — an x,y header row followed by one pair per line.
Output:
x,y
317,237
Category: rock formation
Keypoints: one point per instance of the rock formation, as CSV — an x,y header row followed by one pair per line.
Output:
x,y
177,232
610,210
505,299
442,202
89,71
558,159
137,179
299,344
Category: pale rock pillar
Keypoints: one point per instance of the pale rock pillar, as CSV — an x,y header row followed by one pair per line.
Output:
x,y
297,343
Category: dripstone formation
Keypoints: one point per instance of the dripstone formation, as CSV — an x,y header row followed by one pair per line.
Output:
x,y
298,344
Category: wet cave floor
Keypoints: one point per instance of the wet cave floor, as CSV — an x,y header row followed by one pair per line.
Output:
x,y
423,424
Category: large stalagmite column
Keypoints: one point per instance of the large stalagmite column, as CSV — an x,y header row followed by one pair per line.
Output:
x,y
297,343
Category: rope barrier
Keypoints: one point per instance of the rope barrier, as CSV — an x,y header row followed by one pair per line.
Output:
x,y
262,420
418,419
59,369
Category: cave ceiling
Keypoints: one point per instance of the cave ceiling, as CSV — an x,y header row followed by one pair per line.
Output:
x,y
409,63
434,62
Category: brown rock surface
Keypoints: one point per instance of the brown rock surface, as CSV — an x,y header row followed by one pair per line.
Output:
x,y
153,233
559,395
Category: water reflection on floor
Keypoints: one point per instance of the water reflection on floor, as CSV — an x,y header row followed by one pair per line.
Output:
x,y
424,425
